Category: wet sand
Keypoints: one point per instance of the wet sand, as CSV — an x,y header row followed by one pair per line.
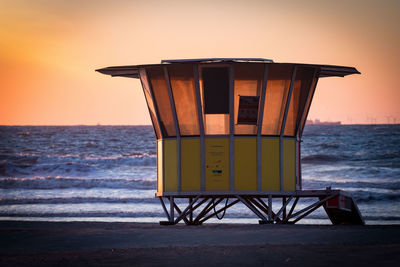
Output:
x,y
137,244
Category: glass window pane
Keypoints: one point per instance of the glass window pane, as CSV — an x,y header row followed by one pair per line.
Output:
x,y
160,91
150,104
298,99
248,85
183,91
308,103
248,110
279,76
214,85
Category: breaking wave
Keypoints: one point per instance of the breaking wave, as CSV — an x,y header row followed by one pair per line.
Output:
x,y
67,164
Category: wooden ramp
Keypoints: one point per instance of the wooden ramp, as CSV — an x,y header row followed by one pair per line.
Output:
x,y
342,209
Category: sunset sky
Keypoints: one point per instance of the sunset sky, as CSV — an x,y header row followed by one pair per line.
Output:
x,y
50,49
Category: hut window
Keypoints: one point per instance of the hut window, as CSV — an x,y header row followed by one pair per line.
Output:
x,y
150,103
160,91
298,99
183,91
248,84
215,98
279,77
216,90
307,105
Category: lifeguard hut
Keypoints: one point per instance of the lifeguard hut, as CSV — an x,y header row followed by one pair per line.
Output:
x,y
229,130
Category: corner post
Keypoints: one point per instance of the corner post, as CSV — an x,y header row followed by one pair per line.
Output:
x,y
281,158
259,128
231,127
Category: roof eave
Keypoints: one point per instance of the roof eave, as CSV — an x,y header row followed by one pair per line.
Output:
x,y
133,71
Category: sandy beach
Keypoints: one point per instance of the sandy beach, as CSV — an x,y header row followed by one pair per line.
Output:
x,y
140,244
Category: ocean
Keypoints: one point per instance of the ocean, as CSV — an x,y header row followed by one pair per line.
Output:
x,y
108,173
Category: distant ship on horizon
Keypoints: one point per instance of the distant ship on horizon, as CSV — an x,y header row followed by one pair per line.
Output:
x,y
318,122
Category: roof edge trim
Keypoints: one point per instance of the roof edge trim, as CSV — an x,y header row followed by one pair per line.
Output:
x,y
217,59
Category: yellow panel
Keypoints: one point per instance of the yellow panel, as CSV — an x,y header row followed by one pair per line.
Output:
x,y
289,165
159,167
217,163
170,166
246,164
190,164
270,179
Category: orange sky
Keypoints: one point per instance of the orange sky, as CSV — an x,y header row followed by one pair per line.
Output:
x,y
50,49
